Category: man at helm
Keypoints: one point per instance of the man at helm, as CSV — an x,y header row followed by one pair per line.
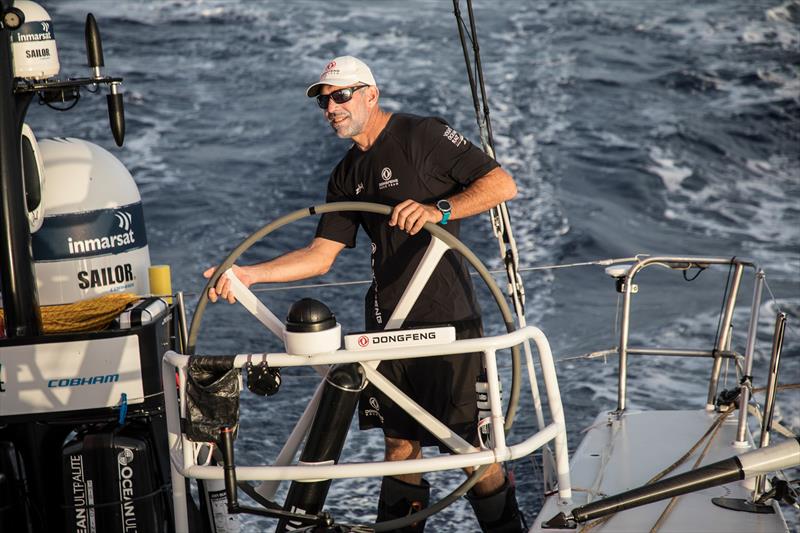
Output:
x,y
428,172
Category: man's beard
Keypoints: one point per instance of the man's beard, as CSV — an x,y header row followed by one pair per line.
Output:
x,y
345,129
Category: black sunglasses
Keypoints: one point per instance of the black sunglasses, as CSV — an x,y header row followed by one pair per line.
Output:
x,y
341,96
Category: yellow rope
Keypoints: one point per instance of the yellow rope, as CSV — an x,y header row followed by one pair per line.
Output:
x,y
86,315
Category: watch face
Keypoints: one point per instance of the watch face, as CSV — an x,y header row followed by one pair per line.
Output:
x,y
443,205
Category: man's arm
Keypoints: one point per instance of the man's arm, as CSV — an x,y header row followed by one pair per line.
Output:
x,y
313,260
491,189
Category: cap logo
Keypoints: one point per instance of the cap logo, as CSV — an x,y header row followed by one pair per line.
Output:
x,y
329,71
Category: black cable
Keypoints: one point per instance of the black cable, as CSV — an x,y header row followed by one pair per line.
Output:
x,y
250,490
479,69
699,271
56,108
462,29
464,25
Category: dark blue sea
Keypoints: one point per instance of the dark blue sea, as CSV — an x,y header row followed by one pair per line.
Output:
x,y
631,127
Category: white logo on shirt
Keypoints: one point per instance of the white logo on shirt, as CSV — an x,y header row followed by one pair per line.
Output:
x,y
359,188
375,411
386,179
455,137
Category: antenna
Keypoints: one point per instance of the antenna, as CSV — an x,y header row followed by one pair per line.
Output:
x,y
116,113
94,56
94,46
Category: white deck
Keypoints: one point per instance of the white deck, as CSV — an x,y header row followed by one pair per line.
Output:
x,y
619,457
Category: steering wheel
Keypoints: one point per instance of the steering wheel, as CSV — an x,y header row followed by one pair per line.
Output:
x,y
446,241
441,241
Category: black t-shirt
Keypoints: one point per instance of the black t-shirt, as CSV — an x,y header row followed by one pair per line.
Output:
x,y
425,160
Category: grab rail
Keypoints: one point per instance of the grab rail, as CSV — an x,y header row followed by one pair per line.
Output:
x,y
723,340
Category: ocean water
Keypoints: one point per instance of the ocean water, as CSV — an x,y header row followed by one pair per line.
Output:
x,y
630,127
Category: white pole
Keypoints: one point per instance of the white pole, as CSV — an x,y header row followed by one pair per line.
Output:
x,y
557,412
495,404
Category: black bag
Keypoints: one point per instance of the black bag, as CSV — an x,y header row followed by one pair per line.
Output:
x,y
212,397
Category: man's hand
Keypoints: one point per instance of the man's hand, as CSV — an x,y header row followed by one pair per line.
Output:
x,y
223,287
410,216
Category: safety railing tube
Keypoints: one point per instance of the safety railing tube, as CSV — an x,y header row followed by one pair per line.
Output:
x,y
179,499
184,461
772,388
375,469
498,435
724,333
556,413
622,388
747,378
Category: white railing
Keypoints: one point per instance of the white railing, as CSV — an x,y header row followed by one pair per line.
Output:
x,y
183,454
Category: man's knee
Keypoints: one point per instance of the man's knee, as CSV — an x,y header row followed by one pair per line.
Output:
x,y
491,482
401,449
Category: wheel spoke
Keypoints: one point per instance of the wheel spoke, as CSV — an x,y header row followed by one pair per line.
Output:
x,y
412,408
249,301
422,274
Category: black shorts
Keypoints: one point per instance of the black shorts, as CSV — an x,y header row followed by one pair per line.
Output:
x,y
444,386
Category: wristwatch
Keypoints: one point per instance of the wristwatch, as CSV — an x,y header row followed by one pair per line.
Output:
x,y
444,207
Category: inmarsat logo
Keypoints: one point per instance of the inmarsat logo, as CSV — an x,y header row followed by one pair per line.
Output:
x,y
363,341
386,179
124,219
124,238
28,33
107,232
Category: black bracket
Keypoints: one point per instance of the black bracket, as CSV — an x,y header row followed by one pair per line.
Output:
x,y
560,521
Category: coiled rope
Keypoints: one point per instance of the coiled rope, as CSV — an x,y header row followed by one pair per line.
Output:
x,y
85,315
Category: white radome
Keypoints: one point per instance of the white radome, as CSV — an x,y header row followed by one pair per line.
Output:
x,y
33,45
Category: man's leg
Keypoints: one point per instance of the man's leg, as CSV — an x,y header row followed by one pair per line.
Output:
x,y
404,494
400,450
494,501
492,481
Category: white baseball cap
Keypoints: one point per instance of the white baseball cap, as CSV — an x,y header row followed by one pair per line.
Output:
x,y
340,72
